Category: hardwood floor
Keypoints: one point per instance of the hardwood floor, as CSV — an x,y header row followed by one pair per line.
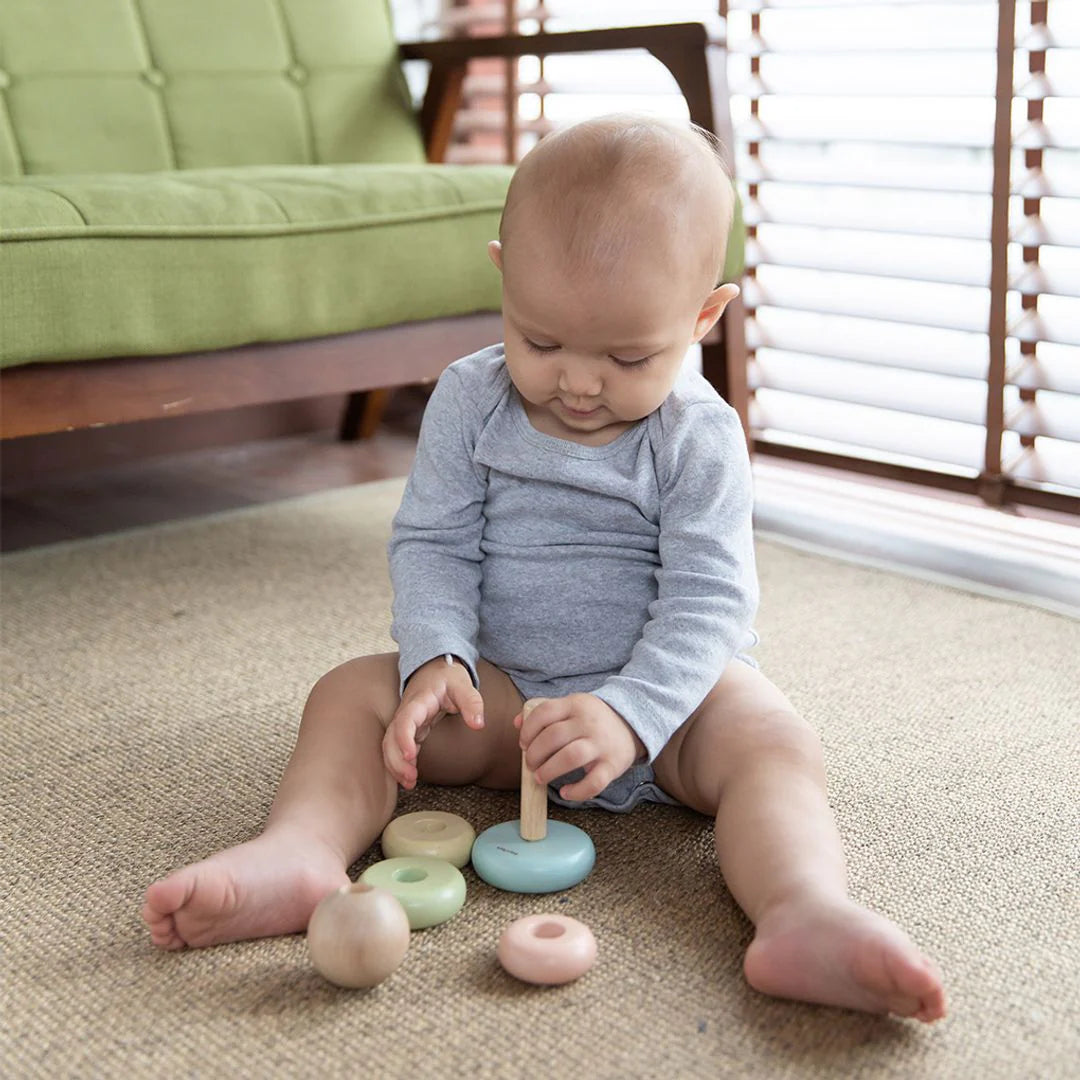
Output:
x,y
45,507
95,483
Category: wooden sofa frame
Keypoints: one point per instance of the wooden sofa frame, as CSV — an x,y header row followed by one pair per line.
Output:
x,y
42,398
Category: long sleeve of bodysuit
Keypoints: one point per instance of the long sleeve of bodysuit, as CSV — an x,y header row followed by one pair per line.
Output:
x,y
707,582
434,549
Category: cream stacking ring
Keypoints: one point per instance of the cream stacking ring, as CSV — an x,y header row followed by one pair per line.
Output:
x,y
429,832
547,949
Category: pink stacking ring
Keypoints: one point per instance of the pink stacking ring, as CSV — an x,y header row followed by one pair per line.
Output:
x,y
547,949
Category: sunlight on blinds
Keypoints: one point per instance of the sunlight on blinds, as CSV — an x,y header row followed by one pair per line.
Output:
x,y
1041,406
865,140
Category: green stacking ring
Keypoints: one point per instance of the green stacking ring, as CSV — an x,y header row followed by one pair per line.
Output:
x,y
430,890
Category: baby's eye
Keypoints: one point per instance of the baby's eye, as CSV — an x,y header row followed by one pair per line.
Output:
x,y
540,348
632,363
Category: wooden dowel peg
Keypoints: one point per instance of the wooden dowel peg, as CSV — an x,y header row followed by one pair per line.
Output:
x,y
533,805
533,795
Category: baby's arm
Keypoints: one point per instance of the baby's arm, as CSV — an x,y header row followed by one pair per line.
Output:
x,y
434,549
707,581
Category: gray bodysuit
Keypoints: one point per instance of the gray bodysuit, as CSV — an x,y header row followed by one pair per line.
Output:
x,y
625,570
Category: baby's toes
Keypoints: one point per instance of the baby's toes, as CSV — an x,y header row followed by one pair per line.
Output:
x,y
162,929
930,992
910,984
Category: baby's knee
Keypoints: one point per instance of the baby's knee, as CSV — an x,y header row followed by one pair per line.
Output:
x,y
775,733
371,680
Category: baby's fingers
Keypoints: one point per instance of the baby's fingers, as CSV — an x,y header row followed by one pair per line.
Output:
x,y
530,726
467,702
402,771
406,726
589,786
400,746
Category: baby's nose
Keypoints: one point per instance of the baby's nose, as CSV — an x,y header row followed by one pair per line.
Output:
x,y
579,381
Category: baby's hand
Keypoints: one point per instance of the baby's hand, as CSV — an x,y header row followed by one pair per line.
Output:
x,y
578,731
434,690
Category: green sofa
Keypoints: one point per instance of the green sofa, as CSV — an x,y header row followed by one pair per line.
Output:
x,y
212,203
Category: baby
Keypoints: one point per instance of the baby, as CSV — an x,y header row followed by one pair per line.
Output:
x,y
577,528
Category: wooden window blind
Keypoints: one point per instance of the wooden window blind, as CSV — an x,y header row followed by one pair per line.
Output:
x,y
911,178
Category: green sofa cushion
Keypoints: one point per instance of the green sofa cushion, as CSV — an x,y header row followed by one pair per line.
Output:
x,y
155,263
92,86
147,264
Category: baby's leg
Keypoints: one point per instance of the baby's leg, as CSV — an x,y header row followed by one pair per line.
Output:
x,y
334,799
748,758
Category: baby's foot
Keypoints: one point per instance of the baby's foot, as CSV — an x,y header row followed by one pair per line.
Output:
x,y
843,954
270,885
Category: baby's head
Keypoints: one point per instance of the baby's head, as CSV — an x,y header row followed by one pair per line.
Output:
x,y
611,247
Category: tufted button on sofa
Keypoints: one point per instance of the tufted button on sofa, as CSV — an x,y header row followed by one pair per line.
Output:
x,y
210,203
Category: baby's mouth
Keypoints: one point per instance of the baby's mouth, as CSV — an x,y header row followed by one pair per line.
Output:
x,y
579,412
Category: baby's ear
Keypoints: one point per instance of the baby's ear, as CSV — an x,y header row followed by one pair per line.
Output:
x,y
713,308
495,254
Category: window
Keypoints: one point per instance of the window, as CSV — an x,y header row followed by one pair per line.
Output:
x,y
911,178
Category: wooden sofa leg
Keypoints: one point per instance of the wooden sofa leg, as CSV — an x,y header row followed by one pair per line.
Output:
x,y
363,413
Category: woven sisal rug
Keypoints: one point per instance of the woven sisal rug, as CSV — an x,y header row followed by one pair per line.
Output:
x,y
152,685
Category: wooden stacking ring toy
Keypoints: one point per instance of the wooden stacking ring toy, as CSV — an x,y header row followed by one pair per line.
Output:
x,y
429,832
430,890
532,854
547,949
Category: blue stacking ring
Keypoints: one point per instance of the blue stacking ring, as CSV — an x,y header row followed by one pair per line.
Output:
x,y
563,858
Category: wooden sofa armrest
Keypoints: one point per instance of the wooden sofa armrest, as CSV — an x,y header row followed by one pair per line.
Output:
x,y
681,47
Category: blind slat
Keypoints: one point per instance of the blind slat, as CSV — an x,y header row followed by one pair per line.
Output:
x,y
950,307
864,130
827,47
858,75
847,208
919,258
842,209
1041,87
1040,136
1038,279
1063,71
1037,183
1037,231
1055,464
1034,326
1056,367
781,163
1041,37
897,345
841,425
896,390
1054,416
